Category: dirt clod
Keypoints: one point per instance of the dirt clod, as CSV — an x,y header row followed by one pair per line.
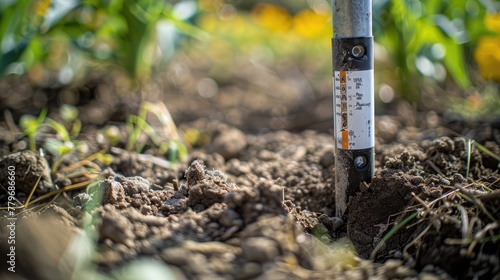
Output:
x,y
27,167
259,249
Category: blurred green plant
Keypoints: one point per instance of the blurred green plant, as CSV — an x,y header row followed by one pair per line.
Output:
x,y
160,130
31,127
429,39
269,34
70,38
64,142
428,43
484,105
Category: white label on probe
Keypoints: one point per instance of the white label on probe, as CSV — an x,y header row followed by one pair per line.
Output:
x,y
354,109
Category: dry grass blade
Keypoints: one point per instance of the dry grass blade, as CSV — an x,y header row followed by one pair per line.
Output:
x,y
87,161
487,151
476,202
480,236
465,220
430,205
79,185
420,235
65,189
29,197
393,230
433,166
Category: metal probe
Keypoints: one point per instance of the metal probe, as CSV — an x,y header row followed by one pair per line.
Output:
x,y
353,100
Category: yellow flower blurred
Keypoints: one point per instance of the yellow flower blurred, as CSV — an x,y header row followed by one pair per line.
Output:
x,y
41,7
310,24
273,17
208,22
487,57
492,22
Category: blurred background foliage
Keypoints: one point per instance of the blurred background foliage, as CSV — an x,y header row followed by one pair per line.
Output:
x,y
427,52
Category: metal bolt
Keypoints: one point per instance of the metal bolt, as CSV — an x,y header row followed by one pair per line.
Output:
x,y
360,162
358,51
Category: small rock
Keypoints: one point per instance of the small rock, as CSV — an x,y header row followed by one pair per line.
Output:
x,y
116,227
113,192
81,199
391,268
228,217
228,143
458,179
259,249
133,185
331,223
266,155
327,159
26,167
195,173
417,180
250,270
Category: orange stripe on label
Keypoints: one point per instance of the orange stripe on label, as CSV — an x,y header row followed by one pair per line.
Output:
x,y
343,109
345,140
343,79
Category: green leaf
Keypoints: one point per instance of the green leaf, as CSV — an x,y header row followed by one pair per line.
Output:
x,y
454,61
12,56
60,129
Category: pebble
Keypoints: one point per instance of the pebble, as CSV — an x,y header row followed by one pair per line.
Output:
x,y
259,249
228,143
328,158
228,217
29,166
133,185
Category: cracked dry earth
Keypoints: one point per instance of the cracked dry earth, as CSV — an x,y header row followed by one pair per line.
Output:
x,y
261,207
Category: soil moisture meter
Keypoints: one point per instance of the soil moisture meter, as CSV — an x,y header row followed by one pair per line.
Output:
x,y
353,97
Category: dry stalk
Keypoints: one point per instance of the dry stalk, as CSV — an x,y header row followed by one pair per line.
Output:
x,y
79,185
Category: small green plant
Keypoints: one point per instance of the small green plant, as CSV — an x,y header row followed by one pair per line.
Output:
x,y
163,135
57,147
69,114
31,127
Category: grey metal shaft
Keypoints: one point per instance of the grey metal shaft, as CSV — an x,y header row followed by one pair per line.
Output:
x,y
352,18
352,50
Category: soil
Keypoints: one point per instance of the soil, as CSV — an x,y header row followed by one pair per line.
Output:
x,y
254,199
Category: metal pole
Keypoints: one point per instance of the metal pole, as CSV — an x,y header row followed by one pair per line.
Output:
x,y
352,57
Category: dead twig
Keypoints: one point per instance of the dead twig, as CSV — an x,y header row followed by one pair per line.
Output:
x,y
476,202
434,166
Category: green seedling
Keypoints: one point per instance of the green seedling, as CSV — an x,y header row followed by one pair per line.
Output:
x,y
60,129
469,155
69,114
112,134
163,136
59,149
488,152
31,127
